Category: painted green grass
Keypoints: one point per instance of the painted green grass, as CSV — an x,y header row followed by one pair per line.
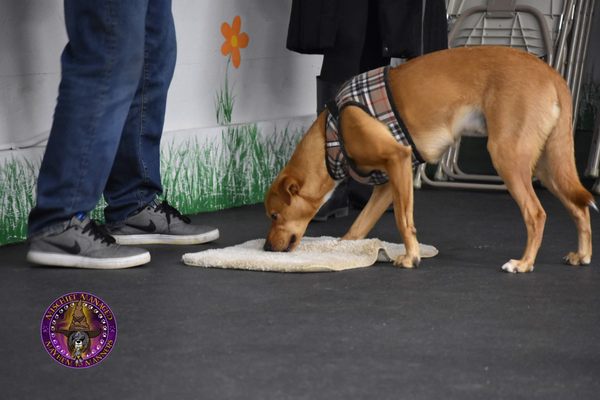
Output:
x,y
17,185
198,175
17,196
203,176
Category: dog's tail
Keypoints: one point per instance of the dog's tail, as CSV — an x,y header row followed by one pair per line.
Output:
x,y
559,154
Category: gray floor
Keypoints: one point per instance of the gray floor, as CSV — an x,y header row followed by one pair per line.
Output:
x,y
456,328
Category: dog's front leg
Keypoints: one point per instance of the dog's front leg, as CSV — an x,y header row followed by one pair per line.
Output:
x,y
399,169
379,201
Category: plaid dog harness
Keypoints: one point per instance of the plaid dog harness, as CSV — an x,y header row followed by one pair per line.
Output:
x,y
370,91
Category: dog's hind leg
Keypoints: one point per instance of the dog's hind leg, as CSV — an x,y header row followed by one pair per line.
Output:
x,y
520,187
379,201
556,169
579,212
514,163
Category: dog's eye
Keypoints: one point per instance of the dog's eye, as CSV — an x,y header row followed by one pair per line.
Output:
x,y
274,216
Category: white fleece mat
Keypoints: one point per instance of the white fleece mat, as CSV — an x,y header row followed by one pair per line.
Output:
x,y
320,254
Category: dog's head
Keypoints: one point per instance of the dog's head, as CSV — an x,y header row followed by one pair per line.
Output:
x,y
289,212
79,341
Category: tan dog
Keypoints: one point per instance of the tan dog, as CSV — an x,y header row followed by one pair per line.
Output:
x,y
522,103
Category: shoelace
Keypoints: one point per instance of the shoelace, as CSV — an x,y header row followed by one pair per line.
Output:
x,y
171,211
98,232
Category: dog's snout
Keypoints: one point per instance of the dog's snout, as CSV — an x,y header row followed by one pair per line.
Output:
x,y
280,245
268,246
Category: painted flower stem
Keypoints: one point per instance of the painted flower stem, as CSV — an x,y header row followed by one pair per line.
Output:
x,y
225,100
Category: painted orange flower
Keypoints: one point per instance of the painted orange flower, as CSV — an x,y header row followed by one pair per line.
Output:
x,y
234,40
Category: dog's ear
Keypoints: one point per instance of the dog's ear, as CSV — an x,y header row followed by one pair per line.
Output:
x,y
288,187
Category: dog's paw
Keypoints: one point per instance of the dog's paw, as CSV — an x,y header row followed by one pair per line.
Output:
x,y
407,261
514,266
574,258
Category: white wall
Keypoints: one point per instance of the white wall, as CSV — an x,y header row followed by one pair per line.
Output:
x,y
32,35
271,83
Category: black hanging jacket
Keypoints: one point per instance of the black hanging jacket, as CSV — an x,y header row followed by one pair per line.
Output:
x,y
408,28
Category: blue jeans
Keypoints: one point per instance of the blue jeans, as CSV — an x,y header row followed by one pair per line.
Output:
x,y
108,121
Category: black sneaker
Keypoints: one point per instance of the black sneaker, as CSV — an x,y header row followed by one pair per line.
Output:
x,y
161,223
81,243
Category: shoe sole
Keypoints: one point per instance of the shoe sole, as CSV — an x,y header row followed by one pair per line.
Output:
x,y
167,239
71,261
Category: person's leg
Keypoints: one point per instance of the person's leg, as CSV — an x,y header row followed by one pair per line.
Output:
x,y
101,68
357,50
370,58
341,63
133,215
135,177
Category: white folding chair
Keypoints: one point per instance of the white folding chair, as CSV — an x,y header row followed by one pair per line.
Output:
x,y
554,30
